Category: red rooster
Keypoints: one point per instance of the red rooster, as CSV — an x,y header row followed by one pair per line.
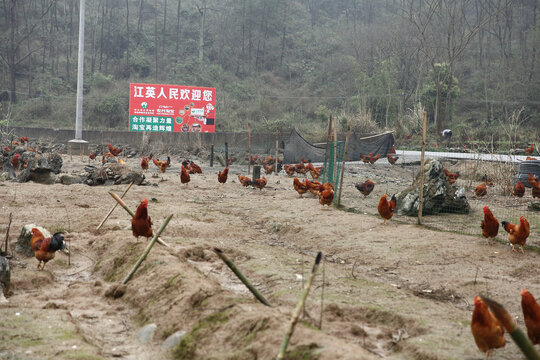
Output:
x,y
141,224
222,175
45,248
113,150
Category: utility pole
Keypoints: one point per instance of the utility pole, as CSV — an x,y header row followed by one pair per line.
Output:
x,y
81,144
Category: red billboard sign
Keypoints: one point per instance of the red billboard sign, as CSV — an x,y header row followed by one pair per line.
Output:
x,y
171,108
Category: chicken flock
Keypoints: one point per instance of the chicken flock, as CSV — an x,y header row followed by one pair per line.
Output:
x,y
487,331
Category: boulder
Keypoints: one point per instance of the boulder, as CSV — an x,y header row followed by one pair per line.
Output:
x,y
41,169
439,195
23,243
173,340
5,276
534,206
113,173
146,334
55,162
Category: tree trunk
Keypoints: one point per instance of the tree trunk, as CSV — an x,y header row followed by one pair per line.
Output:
x,y
202,12
140,23
12,23
101,35
284,34
156,43
164,30
127,35
178,29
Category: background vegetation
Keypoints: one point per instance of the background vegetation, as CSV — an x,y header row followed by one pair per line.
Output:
x,y
473,64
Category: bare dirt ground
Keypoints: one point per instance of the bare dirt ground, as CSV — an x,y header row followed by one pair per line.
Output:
x,y
397,291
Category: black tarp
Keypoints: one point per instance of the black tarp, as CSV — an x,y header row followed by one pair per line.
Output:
x,y
296,147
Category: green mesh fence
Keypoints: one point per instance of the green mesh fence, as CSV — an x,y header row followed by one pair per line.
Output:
x,y
454,201
332,165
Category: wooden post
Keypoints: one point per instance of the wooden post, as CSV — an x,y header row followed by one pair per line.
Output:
x,y
147,250
241,276
114,207
343,162
422,174
334,176
226,154
7,234
249,148
277,146
256,172
212,155
298,309
326,159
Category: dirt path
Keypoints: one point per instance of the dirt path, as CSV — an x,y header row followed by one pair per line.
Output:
x,y
396,291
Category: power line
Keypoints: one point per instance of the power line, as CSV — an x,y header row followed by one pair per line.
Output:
x,y
346,97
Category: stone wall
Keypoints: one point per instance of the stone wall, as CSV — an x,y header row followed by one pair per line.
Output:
x,y
260,142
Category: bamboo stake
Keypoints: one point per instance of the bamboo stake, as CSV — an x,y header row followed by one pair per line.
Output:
x,y
328,138
147,250
322,294
241,276
114,207
298,309
277,146
334,175
249,148
422,175
343,162
124,206
510,325
7,233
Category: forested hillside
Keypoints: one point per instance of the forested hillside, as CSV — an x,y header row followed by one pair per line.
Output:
x,y
473,64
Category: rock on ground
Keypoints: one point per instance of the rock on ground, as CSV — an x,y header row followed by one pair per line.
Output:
x,y
41,169
112,173
5,276
439,195
146,334
173,340
23,243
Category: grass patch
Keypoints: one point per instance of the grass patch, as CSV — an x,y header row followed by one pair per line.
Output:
x,y
188,346
304,352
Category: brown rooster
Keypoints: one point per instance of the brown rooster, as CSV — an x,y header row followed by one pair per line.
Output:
x,y
141,224
480,190
144,163
184,176
392,160
301,188
531,315
45,248
489,226
517,233
366,187
113,150
519,189
386,208
326,197
487,331
244,180
259,183
268,169
372,158
289,169
222,175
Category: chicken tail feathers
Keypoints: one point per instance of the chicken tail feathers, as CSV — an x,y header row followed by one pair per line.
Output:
x,y
57,242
